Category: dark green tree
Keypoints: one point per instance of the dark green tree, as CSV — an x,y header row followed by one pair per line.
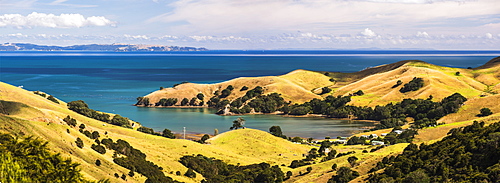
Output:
x,y
352,160
184,102
484,112
167,133
238,123
79,142
200,96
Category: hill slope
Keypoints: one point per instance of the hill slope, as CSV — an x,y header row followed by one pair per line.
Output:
x,y
377,84
43,119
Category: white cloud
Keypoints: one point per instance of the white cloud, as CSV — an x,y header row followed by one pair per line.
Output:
x,y
53,21
422,34
489,35
368,33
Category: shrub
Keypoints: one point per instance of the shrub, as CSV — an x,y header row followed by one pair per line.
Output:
x,y
413,85
167,133
98,162
79,142
484,112
70,121
53,99
99,148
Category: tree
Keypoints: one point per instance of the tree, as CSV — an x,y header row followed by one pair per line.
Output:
x,y
200,96
352,160
238,123
79,142
484,112
53,99
184,102
309,169
359,93
204,138
216,132
417,176
325,90
413,85
192,102
167,133
226,92
190,173
344,175
94,135
244,88
457,73
120,121
334,167
399,82
276,131
98,162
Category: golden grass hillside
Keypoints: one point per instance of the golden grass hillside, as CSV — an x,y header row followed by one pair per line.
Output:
x,y
301,86
296,86
42,118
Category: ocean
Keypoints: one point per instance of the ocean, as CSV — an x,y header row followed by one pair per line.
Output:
x,y
111,81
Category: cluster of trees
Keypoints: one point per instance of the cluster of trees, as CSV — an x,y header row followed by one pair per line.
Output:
x,y
425,112
135,161
27,159
70,121
218,171
82,108
50,97
468,154
344,175
413,85
165,133
219,101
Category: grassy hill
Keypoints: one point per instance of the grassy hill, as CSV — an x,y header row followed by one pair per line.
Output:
x,y
36,116
377,83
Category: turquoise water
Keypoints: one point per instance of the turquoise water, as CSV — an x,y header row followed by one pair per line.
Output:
x,y
111,82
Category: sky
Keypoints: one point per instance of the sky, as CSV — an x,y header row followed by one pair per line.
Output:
x,y
256,24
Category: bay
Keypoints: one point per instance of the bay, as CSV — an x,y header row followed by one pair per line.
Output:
x,y
110,81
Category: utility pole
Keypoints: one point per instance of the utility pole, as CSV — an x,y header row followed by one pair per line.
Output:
x,y
184,132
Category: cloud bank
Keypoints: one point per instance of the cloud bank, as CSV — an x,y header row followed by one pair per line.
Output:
x,y
252,16
53,21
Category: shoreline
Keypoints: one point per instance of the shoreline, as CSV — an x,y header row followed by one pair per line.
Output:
x,y
277,113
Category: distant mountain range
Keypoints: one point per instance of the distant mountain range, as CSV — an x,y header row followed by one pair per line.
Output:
x,y
96,47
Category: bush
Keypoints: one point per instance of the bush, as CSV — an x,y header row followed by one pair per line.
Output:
x,y
120,121
344,175
167,133
99,148
244,88
98,162
484,112
79,142
200,96
53,99
70,121
325,90
413,85
144,129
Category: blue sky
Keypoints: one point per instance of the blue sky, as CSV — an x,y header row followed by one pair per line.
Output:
x,y
256,24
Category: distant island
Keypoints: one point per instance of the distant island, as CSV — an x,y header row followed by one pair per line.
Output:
x,y
97,47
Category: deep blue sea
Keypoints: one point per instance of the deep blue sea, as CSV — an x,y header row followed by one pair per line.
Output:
x,y
111,81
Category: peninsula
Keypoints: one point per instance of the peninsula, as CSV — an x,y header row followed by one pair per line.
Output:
x,y
97,47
